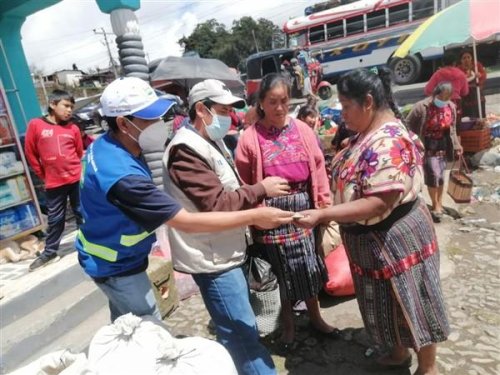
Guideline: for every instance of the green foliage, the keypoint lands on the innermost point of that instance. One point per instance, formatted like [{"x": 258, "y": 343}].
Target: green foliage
[{"x": 211, "y": 39}]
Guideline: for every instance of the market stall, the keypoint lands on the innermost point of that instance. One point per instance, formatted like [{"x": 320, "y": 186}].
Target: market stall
[{"x": 19, "y": 210}]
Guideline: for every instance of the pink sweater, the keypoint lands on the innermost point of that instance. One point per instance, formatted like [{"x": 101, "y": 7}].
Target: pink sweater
[{"x": 249, "y": 161}]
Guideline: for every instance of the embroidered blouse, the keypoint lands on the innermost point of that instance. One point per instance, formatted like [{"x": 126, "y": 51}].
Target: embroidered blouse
[
  {"x": 282, "y": 152},
  {"x": 387, "y": 160}
]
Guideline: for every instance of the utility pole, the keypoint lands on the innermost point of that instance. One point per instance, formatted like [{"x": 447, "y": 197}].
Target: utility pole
[
  {"x": 112, "y": 62},
  {"x": 255, "y": 40}
]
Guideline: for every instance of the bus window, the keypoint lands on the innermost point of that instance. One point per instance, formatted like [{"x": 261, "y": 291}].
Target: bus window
[
  {"x": 375, "y": 20},
  {"x": 297, "y": 39},
  {"x": 317, "y": 34},
  {"x": 269, "y": 66},
  {"x": 335, "y": 30},
  {"x": 398, "y": 14},
  {"x": 423, "y": 9},
  {"x": 355, "y": 25}
]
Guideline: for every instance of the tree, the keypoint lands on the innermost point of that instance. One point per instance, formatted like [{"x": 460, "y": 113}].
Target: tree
[
  {"x": 211, "y": 39},
  {"x": 205, "y": 37}
]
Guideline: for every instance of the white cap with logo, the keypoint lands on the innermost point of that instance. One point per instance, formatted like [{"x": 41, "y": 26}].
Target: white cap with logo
[
  {"x": 216, "y": 91},
  {"x": 132, "y": 96}
]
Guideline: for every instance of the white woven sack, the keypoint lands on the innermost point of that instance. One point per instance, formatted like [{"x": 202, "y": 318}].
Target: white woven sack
[{"x": 266, "y": 307}]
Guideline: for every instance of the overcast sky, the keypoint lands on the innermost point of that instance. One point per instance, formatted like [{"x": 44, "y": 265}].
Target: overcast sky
[{"x": 62, "y": 34}]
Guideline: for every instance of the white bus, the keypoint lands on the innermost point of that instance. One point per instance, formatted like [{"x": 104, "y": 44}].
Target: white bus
[{"x": 363, "y": 34}]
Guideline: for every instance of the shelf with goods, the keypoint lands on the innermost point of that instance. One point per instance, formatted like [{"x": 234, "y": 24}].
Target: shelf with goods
[{"x": 20, "y": 213}]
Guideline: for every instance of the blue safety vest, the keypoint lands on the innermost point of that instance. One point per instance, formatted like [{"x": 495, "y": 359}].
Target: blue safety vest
[{"x": 108, "y": 242}]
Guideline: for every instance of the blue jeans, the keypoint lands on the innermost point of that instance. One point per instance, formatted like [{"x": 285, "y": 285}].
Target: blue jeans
[
  {"x": 130, "y": 294},
  {"x": 226, "y": 299}
]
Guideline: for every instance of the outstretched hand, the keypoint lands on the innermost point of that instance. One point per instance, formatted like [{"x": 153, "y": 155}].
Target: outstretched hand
[
  {"x": 310, "y": 220},
  {"x": 270, "y": 217}
]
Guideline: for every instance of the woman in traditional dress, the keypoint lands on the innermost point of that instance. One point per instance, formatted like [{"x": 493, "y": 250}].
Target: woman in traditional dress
[
  {"x": 434, "y": 120},
  {"x": 469, "y": 103},
  {"x": 277, "y": 145},
  {"x": 386, "y": 228}
]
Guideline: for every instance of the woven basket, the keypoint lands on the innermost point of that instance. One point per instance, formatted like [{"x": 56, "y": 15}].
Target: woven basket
[
  {"x": 475, "y": 140},
  {"x": 460, "y": 184}
]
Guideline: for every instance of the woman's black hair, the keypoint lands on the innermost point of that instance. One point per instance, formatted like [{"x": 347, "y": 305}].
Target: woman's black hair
[
  {"x": 463, "y": 52},
  {"x": 192, "y": 111},
  {"x": 449, "y": 58},
  {"x": 269, "y": 82},
  {"x": 252, "y": 99},
  {"x": 341, "y": 134},
  {"x": 358, "y": 83}
]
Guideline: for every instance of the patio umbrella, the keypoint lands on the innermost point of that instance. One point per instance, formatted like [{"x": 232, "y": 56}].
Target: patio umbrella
[
  {"x": 459, "y": 23},
  {"x": 188, "y": 71}
]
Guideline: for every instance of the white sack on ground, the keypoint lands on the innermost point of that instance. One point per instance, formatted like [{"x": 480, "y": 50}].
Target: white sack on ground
[
  {"x": 142, "y": 345},
  {"x": 61, "y": 362}
]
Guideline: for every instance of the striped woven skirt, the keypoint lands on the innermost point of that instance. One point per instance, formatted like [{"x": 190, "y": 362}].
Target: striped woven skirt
[
  {"x": 292, "y": 253},
  {"x": 396, "y": 278}
]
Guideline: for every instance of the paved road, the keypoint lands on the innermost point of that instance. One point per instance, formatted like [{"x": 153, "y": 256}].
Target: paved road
[{"x": 413, "y": 93}]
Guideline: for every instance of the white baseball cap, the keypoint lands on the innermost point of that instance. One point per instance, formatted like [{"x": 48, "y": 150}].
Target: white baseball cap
[
  {"x": 216, "y": 91},
  {"x": 132, "y": 96}
]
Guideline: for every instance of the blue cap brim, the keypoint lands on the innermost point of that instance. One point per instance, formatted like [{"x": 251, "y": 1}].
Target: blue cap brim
[{"x": 154, "y": 110}]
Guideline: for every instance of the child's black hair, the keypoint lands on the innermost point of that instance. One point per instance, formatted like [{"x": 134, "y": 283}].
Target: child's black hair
[
  {"x": 57, "y": 95},
  {"x": 307, "y": 110}
]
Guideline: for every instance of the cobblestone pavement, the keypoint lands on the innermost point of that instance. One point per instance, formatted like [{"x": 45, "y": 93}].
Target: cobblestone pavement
[
  {"x": 470, "y": 252},
  {"x": 470, "y": 262}
]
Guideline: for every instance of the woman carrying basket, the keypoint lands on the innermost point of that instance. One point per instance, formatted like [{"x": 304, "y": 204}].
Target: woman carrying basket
[{"x": 434, "y": 120}]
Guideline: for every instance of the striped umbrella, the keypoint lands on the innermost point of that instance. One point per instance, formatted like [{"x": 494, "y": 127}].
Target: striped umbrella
[{"x": 459, "y": 23}]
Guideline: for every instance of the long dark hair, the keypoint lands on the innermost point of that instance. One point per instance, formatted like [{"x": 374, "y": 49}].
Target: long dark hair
[
  {"x": 358, "y": 83},
  {"x": 269, "y": 82}
]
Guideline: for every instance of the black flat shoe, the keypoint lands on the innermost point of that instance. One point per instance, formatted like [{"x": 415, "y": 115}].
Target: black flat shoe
[{"x": 436, "y": 217}]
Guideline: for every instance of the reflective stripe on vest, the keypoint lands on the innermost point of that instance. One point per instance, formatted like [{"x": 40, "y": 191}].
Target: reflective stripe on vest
[
  {"x": 131, "y": 240},
  {"x": 99, "y": 251}
]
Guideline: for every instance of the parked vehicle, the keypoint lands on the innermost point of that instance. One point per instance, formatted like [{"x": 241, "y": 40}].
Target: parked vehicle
[{"x": 364, "y": 34}]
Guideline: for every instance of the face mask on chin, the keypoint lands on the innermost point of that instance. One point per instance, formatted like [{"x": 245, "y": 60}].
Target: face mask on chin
[
  {"x": 153, "y": 137},
  {"x": 219, "y": 127}
]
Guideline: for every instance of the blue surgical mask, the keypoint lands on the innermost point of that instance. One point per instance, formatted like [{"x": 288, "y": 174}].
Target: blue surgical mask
[
  {"x": 440, "y": 103},
  {"x": 219, "y": 127}
]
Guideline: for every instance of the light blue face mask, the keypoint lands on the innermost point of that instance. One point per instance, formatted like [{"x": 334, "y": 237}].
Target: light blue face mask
[
  {"x": 219, "y": 127},
  {"x": 440, "y": 103}
]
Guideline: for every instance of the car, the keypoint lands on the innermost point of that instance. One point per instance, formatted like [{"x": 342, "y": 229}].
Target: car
[{"x": 90, "y": 113}]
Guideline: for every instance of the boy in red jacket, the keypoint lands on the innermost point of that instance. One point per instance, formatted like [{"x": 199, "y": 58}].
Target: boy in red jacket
[{"x": 53, "y": 149}]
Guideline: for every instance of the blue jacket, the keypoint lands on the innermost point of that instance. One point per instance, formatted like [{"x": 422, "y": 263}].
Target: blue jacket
[{"x": 109, "y": 243}]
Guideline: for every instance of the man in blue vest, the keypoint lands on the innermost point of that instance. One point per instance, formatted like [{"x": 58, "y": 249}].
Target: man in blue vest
[{"x": 122, "y": 207}]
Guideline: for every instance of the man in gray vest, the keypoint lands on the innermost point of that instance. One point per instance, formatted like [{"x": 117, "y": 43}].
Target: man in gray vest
[{"x": 199, "y": 172}]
